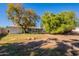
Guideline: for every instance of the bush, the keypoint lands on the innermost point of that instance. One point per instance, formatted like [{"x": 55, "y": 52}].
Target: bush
[{"x": 58, "y": 23}]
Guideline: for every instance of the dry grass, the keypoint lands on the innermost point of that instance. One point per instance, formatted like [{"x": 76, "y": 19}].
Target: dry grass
[
  {"x": 24, "y": 44},
  {"x": 17, "y": 38}
]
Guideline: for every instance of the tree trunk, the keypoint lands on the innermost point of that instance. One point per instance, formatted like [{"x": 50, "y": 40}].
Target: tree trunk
[{"x": 23, "y": 30}]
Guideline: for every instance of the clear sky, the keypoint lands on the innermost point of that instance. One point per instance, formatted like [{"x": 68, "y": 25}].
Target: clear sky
[{"x": 39, "y": 8}]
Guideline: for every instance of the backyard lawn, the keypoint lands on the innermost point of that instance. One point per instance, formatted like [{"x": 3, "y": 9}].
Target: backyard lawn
[{"x": 39, "y": 44}]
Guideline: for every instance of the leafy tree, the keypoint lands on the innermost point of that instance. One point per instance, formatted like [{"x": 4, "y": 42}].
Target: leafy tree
[
  {"x": 77, "y": 21},
  {"x": 58, "y": 23},
  {"x": 20, "y": 16}
]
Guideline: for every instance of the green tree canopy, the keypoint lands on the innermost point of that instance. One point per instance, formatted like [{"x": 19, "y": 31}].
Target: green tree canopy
[{"x": 58, "y": 23}]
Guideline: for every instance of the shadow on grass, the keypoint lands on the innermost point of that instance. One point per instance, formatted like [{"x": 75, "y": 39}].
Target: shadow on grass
[
  {"x": 2, "y": 35},
  {"x": 20, "y": 49},
  {"x": 33, "y": 49}
]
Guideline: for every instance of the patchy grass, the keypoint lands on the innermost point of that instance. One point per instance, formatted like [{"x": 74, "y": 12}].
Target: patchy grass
[
  {"x": 33, "y": 44},
  {"x": 17, "y": 38}
]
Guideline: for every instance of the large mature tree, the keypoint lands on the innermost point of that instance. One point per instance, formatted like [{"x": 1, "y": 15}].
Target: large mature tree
[
  {"x": 20, "y": 16},
  {"x": 59, "y": 23}
]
